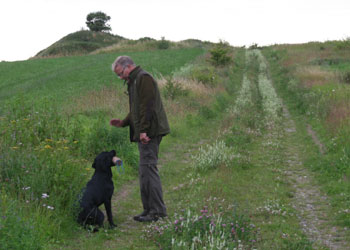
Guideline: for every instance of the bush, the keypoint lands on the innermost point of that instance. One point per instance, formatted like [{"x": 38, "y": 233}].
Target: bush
[
  {"x": 173, "y": 90},
  {"x": 163, "y": 44},
  {"x": 219, "y": 55},
  {"x": 205, "y": 75}
]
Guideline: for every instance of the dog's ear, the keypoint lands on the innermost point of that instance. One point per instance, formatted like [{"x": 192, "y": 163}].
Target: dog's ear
[{"x": 94, "y": 165}]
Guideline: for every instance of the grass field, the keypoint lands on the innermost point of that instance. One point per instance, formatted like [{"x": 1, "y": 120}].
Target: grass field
[{"x": 239, "y": 171}]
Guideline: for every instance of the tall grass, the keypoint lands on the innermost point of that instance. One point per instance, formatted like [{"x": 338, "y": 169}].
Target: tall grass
[{"x": 54, "y": 119}]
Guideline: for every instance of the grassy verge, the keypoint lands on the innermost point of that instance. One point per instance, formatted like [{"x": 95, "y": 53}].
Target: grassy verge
[{"x": 320, "y": 105}]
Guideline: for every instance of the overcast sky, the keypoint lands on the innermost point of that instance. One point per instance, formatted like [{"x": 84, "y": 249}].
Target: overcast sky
[{"x": 28, "y": 26}]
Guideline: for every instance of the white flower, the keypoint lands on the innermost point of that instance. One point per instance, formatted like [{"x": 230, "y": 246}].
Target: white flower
[{"x": 45, "y": 195}]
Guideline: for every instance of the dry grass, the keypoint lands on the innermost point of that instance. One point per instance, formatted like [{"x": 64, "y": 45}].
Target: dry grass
[
  {"x": 315, "y": 75},
  {"x": 137, "y": 46},
  {"x": 107, "y": 99},
  {"x": 201, "y": 93},
  {"x": 339, "y": 115}
]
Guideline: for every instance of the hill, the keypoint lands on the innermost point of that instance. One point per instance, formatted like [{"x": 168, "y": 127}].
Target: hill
[
  {"x": 79, "y": 43},
  {"x": 258, "y": 156}
]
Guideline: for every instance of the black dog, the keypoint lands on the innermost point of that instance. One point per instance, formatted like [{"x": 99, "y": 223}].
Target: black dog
[{"x": 97, "y": 191}]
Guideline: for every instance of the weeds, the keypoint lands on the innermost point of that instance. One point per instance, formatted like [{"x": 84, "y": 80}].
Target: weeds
[
  {"x": 213, "y": 156},
  {"x": 220, "y": 229}
]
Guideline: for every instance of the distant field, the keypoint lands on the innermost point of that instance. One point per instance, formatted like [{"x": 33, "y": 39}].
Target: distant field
[{"x": 59, "y": 78}]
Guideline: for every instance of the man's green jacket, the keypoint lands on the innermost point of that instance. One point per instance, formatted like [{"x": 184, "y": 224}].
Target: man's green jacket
[{"x": 146, "y": 114}]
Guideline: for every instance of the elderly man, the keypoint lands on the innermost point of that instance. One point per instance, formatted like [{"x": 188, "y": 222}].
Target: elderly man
[{"x": 148, "y": 123}]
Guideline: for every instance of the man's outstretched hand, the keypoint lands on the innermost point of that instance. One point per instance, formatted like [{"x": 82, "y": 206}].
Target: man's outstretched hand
[{"x": 116, "y": 123}]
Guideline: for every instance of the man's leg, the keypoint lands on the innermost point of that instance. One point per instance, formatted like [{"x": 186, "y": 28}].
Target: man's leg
[{"x": 150, "y": 184}]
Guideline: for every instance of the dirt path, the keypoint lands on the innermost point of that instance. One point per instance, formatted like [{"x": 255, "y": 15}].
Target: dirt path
[{"x": 312, "y": 205}]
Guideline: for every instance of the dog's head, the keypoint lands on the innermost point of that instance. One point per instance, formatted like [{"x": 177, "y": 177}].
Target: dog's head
[{"x": 104, "y": 161}]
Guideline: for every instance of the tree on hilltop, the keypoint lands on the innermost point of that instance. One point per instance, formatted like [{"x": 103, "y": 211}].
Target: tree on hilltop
[{"x": 97, "y": 21}]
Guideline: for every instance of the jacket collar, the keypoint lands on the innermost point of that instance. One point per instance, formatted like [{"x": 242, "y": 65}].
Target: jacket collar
[{"x": 133, "y": 74}]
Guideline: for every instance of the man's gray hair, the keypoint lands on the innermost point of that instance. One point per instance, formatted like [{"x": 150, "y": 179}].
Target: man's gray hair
[{"x": 123, "y": 61}]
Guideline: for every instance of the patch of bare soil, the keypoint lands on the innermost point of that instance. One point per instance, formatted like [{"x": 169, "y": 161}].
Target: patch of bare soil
[{"x": 312, "y": 205}]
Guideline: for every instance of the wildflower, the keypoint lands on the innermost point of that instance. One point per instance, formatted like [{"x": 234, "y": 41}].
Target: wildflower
[
  {"x": 44, "y": 196},
  {"x": 48, "y": 147},
  {"x": 75, "y": 142},
  {"x": 66, "y": 148},
  {"x": 26, "y": 188},
  {"x": 176, "y": 221},
  {"x": 48, "y": 140},
  {"x": 13, "y": 121},
  {"x": 25, "y": 119},
  {"x": 49, "y": 207},
  {"x": 14, "y": 148}
]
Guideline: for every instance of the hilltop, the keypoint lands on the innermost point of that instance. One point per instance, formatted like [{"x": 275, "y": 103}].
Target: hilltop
[
  {"x": 89, "y": 42},
  {"x": 80, "y": 43}
]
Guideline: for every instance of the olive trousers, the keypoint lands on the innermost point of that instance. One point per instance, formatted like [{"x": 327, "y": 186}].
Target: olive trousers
[{"x": 150, "y": 184}]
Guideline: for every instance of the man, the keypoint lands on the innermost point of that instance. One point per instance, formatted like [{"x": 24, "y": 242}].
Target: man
[{"x": 148, "y": 123}]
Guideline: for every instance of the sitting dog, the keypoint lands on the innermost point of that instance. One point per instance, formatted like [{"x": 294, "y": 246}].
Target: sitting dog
[{"x": 98, "y": 191}]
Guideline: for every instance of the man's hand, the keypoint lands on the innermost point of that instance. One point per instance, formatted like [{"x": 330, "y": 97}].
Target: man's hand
[
  {"x": 116, "y": 123},
  {"x": 144, "y": 138}
]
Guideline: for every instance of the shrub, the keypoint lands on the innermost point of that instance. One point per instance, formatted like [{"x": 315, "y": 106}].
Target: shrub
[
  {"x": 219, "y": 55},
  {"x": 173, "y": 89},
  {"x": 206, "y": 75},
  {"x": 163, "y": 44}
]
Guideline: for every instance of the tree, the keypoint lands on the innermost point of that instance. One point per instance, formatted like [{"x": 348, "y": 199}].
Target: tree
[{"x": 97, "y": 21}]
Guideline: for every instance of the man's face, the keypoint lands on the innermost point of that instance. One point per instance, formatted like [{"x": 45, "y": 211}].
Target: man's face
[{"x": 120, "y": 71}]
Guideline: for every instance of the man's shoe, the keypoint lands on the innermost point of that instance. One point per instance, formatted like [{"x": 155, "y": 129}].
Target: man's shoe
[
  {"x": 148, "y": 218},
  {"x": 137, "y": 217}
]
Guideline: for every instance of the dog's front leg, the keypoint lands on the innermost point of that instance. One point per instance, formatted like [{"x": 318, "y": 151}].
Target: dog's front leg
[{"x": 108, "y": 206}]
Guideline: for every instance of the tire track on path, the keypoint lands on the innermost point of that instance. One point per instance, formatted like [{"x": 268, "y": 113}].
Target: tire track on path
[{"x": 312, "y": 205}]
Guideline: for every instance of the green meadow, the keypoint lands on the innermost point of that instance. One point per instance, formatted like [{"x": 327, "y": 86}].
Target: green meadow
[{"x": 240, "y": 139}]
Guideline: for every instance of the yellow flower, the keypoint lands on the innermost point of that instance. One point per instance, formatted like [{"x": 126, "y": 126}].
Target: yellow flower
[
  {"x": 48, "y": 147},
  {"x": 65, "y": 148},
  {"x": 25, "y": 119},
  {"x": 15, "y": 148},
  {"x": 48, "y": 140},
  {"x": 13, "y": 121},
  {"x": 75, "y": 142}
]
